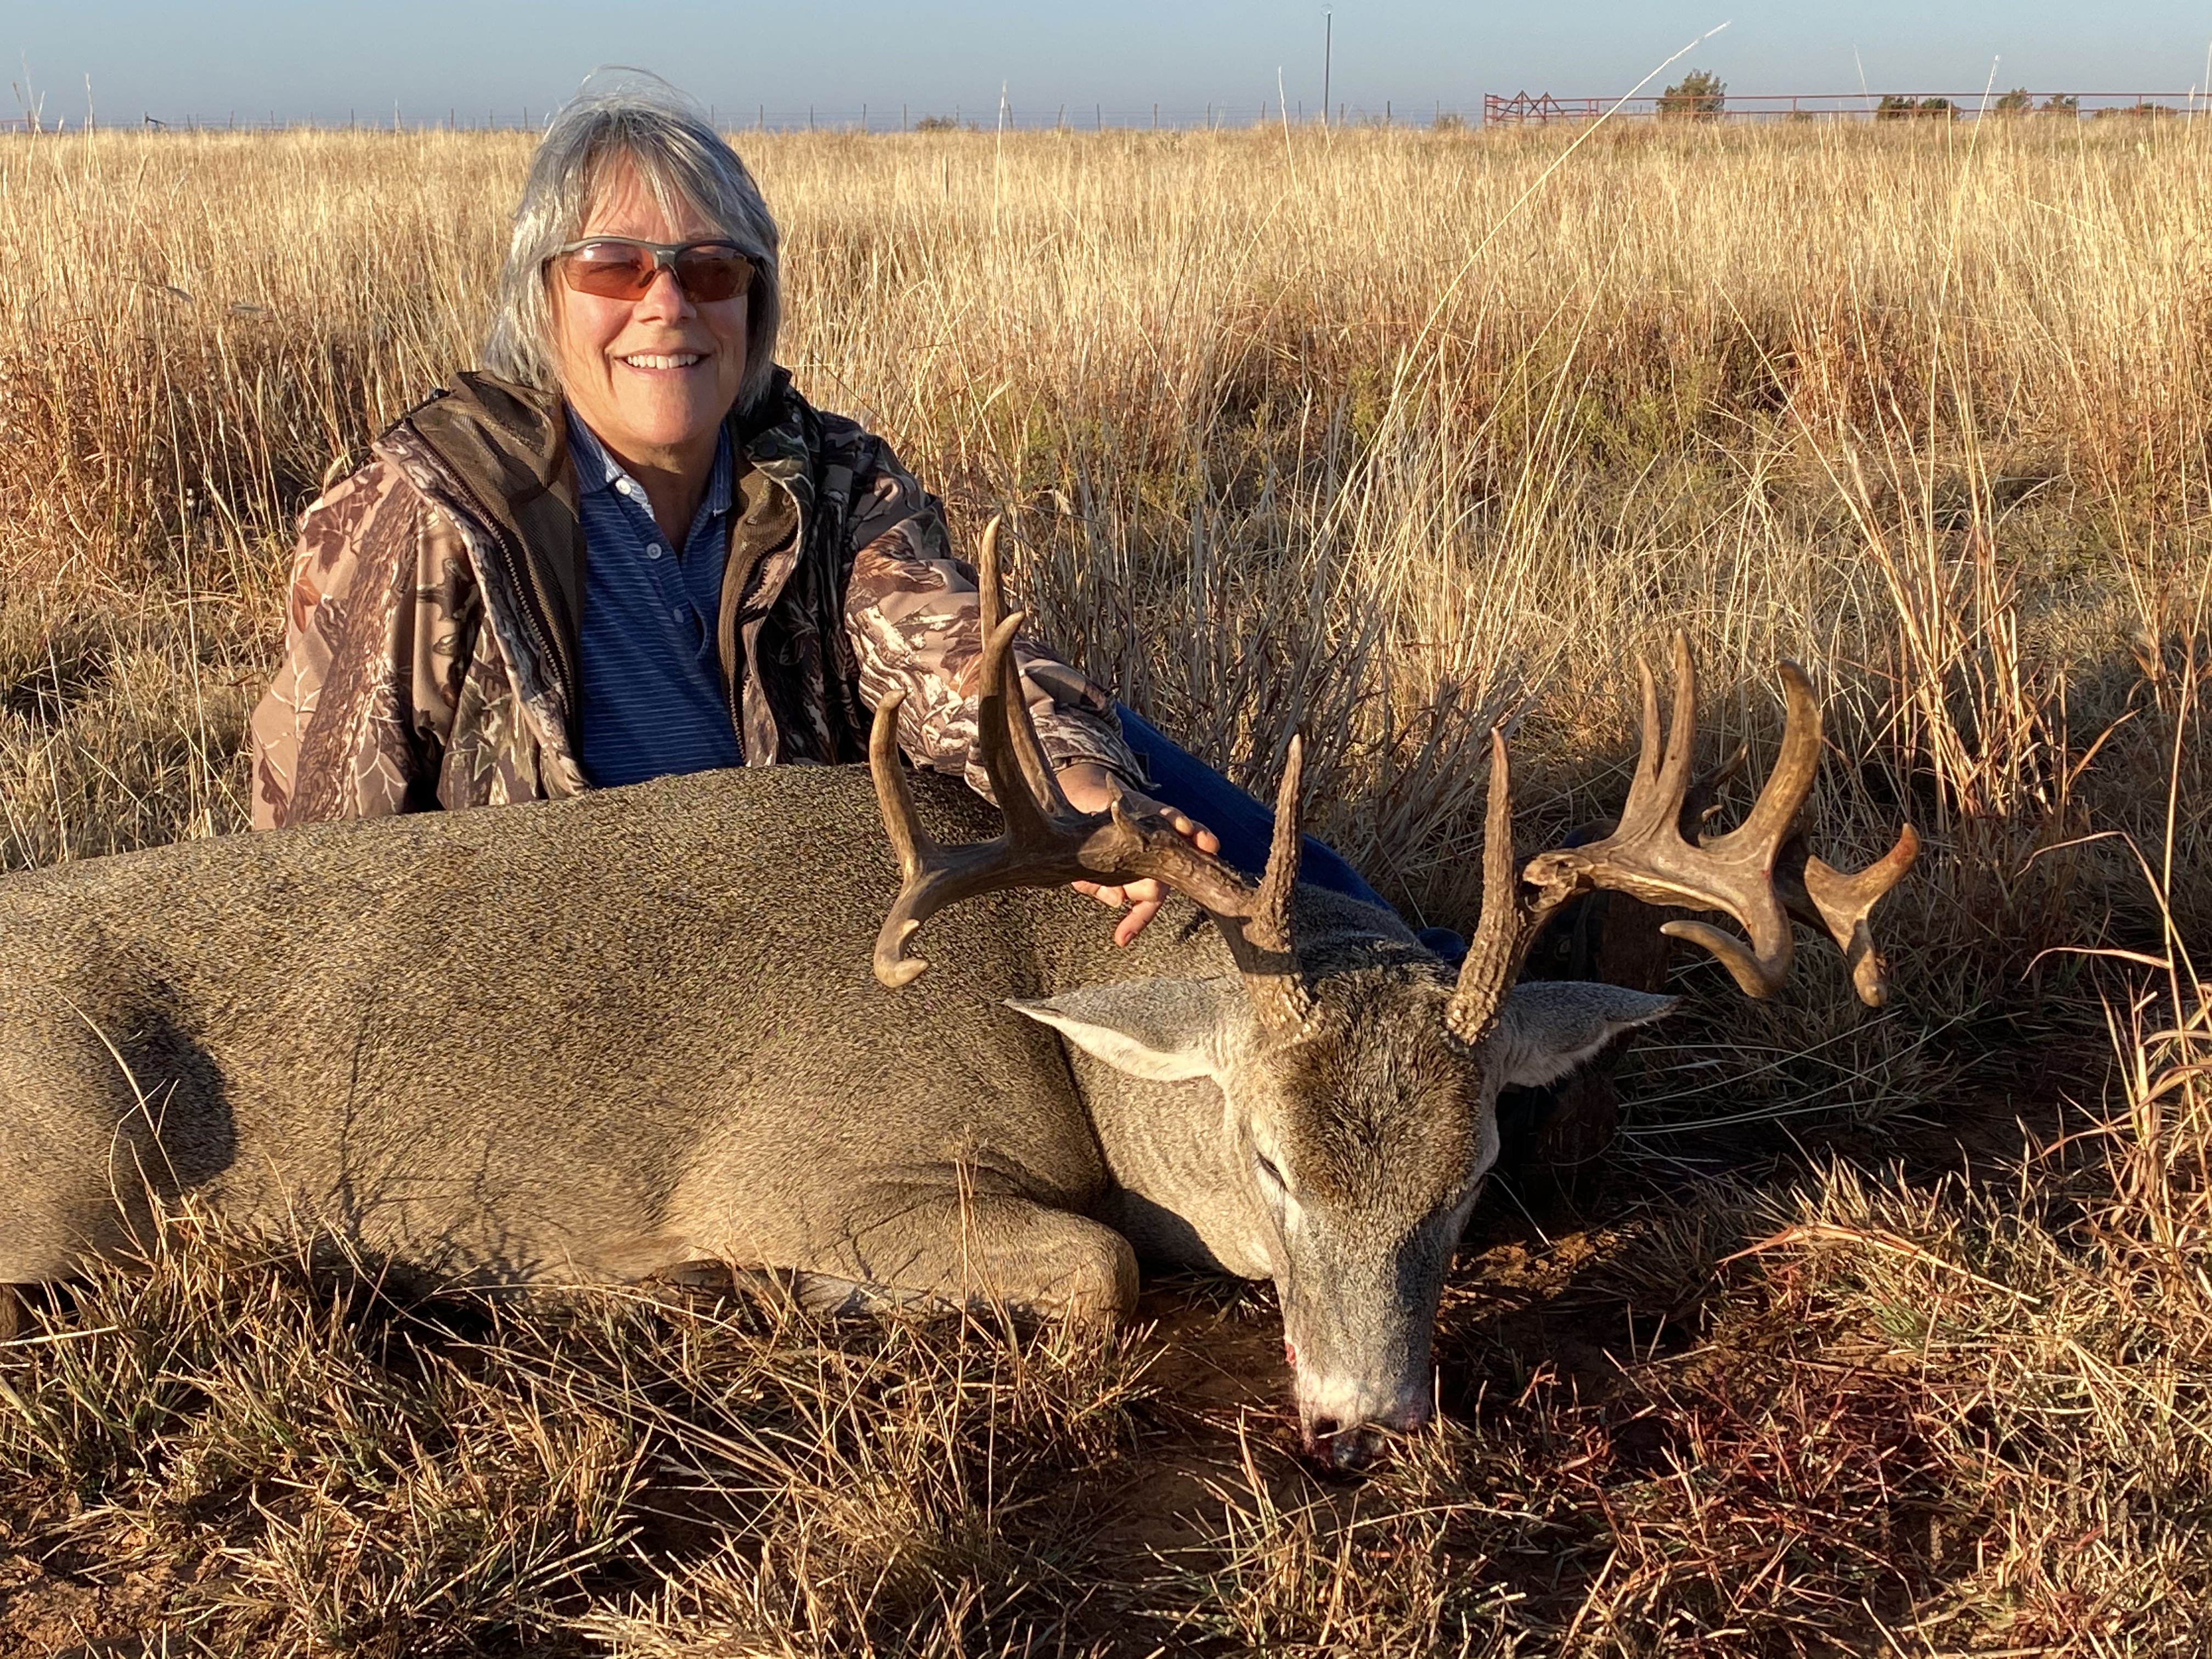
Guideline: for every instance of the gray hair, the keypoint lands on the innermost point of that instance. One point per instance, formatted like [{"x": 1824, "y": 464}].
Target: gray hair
[{"x": 684, "y": 161}]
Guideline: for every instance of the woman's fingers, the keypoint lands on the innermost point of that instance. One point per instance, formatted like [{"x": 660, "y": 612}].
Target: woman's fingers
[
  {"x": 1140, "y": 917},
  {"x": 1091, "y": 788},
  {"x": 1191, "y": 830},
  {"x": 1142, "y": 898}
]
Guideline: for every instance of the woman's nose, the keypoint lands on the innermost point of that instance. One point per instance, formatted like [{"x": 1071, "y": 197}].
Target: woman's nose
[{"x": 664, "y": 297}]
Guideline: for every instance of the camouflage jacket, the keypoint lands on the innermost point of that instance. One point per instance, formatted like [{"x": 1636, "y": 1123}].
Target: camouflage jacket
[{"x": 430, "y": 638}]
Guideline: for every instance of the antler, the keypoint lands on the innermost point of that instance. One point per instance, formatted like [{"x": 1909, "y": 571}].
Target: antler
[
  {"x": 1048, "y": 843},
  {"x": 1824, "y": 897},
  {"x": 1759, "y": 873}
]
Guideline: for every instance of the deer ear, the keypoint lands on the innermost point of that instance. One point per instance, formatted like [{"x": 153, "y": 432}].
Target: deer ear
[
  {"x": 1550, "y": 1026},
  {"x": 1166, "y": 1029}
]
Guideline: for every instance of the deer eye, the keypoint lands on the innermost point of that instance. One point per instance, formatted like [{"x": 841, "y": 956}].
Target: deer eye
[{"x": 1268, "y": 1172}]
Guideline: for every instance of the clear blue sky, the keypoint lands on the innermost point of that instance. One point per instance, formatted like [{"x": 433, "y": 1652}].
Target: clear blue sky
[{"x": 318, "y": 61}]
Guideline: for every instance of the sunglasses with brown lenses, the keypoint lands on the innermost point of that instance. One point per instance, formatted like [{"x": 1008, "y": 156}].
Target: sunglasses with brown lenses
[{"x": 623, "y": 268}]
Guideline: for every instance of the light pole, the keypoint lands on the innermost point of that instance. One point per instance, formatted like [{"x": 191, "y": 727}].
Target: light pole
[{"x": 1328, "y": 51}]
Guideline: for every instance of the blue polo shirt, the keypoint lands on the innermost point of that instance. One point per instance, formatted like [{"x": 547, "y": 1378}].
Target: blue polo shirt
[{"x": 650, "y": 687}]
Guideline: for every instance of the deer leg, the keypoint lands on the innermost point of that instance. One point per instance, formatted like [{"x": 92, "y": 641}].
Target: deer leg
[{"x": 927, "y": 1245}]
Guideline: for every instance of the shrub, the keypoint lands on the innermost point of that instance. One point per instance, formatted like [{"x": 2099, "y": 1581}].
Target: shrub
[
  {"x": 2019, "y": 101},
  {"x": 1700, "y": 95},
  {"x": 1895, "y": 107},
  {"x": 937, "y": 123}
]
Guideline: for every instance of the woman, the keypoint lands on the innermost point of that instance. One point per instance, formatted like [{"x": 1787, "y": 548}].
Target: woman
[{"x": 631, "y": 547}]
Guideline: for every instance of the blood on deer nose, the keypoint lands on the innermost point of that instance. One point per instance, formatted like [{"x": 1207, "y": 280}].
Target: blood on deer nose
[
  {"x": 1330, "y": 1442},
  {"x": 1357, "y": 1449},
  {"x": 1290, "y": 1352}
]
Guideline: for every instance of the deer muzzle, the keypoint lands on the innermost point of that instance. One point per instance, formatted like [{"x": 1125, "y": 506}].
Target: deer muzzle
[
  {"x": 1348, "y": 1423},
  {"x": 1361, "y": 1356}
]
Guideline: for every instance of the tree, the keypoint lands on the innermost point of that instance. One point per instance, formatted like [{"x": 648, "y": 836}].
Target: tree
[
  {"x": 2019, "y": 101},
  {"x": 1894, "y": 107},
  {"x": 1700, "y": 95}
]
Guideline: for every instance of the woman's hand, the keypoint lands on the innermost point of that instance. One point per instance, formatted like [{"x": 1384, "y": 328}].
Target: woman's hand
[{"x": 1090, "y": 788}]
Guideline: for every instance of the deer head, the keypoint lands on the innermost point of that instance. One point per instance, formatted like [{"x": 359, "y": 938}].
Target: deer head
[{"x": 1359, "y": 1080}]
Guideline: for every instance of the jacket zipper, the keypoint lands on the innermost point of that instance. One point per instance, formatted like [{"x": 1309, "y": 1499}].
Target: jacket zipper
[{"x": 536, "y": 614}]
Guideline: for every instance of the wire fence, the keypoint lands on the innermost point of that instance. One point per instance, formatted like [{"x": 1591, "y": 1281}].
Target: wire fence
[
  {"x": 1494, "y": 110},
  {"x": 763, "y": 118}
]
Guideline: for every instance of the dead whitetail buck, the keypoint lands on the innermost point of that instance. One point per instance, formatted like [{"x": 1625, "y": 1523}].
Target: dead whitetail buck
[{"x": 596, "y": 1039}]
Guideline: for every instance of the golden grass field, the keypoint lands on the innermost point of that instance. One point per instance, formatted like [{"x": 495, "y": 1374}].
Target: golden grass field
[{"x": 1878, "y": 1332}]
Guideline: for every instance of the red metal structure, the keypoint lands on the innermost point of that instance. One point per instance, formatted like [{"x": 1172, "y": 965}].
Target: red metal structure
[{"x": 1541, "y": 109}]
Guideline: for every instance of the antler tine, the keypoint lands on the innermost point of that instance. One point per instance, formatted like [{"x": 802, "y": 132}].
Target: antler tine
[
  {"x": 920, "y": 856},
  {"x": 1648, "y": 750},
  {"x": 1000, "y": 714},
  {"x": 913, "y": 843},
  {"x": 1662, "y": 769},
  {"x": 1682, "y": 729},
  {"x": 1840, "y": 900},
  {"x": 1018, "y": 728},
  {"x": 990, "y": 591},
  {"x": 1266, "y": 957},
  {"x": 1775, "y": 811},
  {"x": 1502, "y": 934},
  {"x": 1270, "y": 926}
]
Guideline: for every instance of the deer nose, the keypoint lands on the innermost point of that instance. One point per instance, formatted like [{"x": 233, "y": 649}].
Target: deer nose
[{"x": 1347, "y": 1449}]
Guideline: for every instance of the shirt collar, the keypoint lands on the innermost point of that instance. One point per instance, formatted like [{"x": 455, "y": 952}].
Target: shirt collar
[
  {"x": 719, "y": 482},
  {"x": 597, "y": 469}
]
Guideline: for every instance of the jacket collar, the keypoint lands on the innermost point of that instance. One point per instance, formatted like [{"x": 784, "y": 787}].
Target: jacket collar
[{"x": 504, "y": 452}]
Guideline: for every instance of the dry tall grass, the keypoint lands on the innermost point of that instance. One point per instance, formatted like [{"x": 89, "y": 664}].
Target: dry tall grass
[{"x": 1390, "y": 433}]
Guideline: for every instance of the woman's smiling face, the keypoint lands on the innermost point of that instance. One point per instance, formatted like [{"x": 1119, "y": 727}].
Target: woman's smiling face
[{"x": 655, "y": 376}]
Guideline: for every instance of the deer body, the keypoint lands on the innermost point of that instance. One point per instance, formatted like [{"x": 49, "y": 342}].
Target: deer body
[
  {"x": 584, "y": 1041},
  {"x": 576, "y": 1041}
]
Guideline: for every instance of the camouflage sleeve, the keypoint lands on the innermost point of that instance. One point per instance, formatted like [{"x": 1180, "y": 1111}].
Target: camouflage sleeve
[
  {"x": 911, "y": 614},
  {"x": 376, "y": 631}
]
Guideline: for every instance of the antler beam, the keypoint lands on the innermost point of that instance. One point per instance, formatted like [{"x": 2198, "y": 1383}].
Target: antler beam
[
  {"x": 1048, "y": 843},
  {"x": 1759, "y": 873}
]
